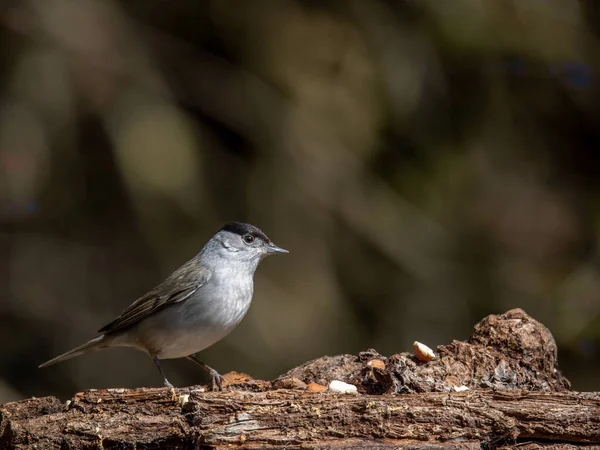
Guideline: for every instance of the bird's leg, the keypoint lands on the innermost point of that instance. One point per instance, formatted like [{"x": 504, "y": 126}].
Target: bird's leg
[
  {"x": 167, "y": 384},
  {"x": 215, "y": 377}
]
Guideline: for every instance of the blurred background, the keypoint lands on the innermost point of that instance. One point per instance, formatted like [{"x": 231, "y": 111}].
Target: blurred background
[{"x": 426, "y": 163}]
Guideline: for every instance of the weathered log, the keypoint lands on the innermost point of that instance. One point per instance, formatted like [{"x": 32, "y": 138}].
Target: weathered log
[
  {"x": 433, "y": 404},
  {"x": 153, "y": 418},
  {"x": 510, "y": 350}
]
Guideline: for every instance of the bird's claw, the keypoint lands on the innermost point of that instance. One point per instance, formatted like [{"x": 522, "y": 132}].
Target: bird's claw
[
  {"x": 171, "y": 389},
  {"x": 216, "y": 380}
]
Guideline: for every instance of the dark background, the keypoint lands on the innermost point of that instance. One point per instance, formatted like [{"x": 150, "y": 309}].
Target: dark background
[{"x": 426, "y": 162}]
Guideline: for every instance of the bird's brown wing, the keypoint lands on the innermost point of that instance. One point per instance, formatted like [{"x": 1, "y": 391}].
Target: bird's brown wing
[{"x": 179, "y": 286}]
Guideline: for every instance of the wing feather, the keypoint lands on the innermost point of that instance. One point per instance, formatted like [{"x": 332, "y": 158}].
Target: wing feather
[{"x": 178, "y": 287}]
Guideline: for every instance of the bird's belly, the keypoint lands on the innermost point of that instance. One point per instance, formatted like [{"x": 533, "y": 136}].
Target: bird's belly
[
  {"x": 182, "y": 345},
  {"x": 191, "y": 326}
]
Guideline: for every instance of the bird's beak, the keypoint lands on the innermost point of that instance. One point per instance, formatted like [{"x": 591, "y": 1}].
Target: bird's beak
[{"x": 272, "y": 248}]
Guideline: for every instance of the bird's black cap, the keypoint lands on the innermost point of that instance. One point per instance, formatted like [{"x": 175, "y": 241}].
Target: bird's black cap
[{"x": 245, "y": 228}]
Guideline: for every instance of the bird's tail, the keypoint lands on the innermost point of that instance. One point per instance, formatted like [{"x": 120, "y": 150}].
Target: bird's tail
[{"x": 94, "y": 344}]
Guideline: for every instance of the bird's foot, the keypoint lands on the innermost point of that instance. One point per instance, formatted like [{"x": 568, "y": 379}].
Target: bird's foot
[
  {"x": 215, "y": 377},
  {"x": 216, "y": 380},
  {"x": 171, "y": 389}
]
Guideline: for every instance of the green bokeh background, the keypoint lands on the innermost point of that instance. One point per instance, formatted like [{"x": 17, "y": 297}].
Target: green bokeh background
[{"x": 426, "y": 162}]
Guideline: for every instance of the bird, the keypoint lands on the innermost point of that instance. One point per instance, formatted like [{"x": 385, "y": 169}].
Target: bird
[{"x": 193, "y": 308}]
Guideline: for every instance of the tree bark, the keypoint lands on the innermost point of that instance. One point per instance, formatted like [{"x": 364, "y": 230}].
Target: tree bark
[
  {"x": 154, "y": 418},
  {"x": 401, "y": 401}
]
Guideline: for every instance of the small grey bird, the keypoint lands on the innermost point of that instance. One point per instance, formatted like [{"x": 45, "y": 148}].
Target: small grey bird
[{"x": 196, "y": 306}]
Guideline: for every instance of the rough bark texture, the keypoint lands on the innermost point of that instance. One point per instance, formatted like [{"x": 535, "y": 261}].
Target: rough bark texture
[
  {"x": 517, "y": 396},
  {"x": 510, "y": 350},
  {"x": 151, "y": 418}
]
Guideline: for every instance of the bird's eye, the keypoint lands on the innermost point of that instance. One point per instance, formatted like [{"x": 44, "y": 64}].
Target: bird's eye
[{"x": 248, "y": 238}]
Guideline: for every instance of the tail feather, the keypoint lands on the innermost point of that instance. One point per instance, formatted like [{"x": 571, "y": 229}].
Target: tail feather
[{"x": 94, "y": 344}]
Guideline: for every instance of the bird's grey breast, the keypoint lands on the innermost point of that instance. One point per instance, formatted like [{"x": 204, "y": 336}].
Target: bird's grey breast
[{"x": 223, "y": 301}]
